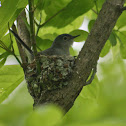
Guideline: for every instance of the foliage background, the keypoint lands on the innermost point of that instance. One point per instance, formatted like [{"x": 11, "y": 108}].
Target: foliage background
[{"x": 99, "y": 104}]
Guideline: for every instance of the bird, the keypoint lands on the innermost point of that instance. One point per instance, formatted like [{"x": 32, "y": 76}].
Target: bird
[{"x": 60, "y": 45}]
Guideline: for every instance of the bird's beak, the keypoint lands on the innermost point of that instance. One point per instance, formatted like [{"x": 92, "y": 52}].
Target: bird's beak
[{"x": 75, "y": 36}]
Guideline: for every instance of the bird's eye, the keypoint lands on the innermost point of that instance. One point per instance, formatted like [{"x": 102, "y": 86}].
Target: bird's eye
[{"x": 65, "y": 38}]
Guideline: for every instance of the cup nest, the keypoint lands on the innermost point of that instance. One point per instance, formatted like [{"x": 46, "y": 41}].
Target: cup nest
[{"x": 55, "y": 73}]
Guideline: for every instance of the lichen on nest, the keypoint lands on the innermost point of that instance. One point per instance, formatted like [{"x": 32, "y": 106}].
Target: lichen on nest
[{"x": 55, "y": 72}]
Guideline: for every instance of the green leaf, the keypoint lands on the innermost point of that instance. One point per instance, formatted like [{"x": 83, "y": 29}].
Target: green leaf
[
  {"x": 52, "y": 7},
  {"x": 103, "y": 100},
  {"x": 57, "y": 24},
  {"x": 3, "y": 58},
  {"x": 21, "y": 97},
  {"x": 122, "y": 39},
  {"x": 123, "y": 51},
  {"x": 100, "y": 3},
  {"x": 45, "y": 31},
  {"x": 83, "y": 35},
  {"x": 2, "y": 62},
  {"x": 105, "y": 49},
  {"x": 73, "y": 10},
  {"x": 121, "y": 22},
  {"x": 7, "y": 12},
  {"x": 40, "y": 116},
  {"x": 7, "y": 42},
  {"x": 10, "y": 77},
  {"x": 13, "y": 115},
  {"x": 91, "y": 91},
  {"x": 90, "y": 25},
  {"x": 73, "y": 52},
  {"x": 43, "y": 43},
  {"x": 4, "y": 55},
  {"x": 22, "y": 4},
  {"x": 112, "y": 39}
]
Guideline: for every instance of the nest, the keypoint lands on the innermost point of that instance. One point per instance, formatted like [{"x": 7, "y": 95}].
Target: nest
[{"x": 55, "y": 73}]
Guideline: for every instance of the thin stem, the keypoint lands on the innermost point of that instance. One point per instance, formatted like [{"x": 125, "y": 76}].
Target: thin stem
[
  {"x": 119, "y": 39},
  {"x": 21, "y": 51},
  {"x": 92, "y": 76},
  {"x": 94, "y": 11},
  {"x": 17, "y": 59},
  {"x": 32, "y": 32},
  {"x": 2, "y": 47},
  {"x": 27, "y": 9},
  {"x": 96, "y": 6},
  {"x": 38, "y": 48},
  {"x": 32, "y": 28},
  {"x": 11, "y": 52},
  {"x": 39, "y": 23},
  {"x": 20, "y": 41}
]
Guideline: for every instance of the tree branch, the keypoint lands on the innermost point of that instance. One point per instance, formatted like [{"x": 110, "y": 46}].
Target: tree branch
[
  {"x": 123, "y": 8},
  {"x": 25, "y": 37},
  {"x": 21, "y": 51},
  {"x": 87, "y": 58}
]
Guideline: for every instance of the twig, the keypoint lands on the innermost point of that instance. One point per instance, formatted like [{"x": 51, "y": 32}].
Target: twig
[
  {"x": 2, "y": 47},
  {"x": 21, "y": 51},
  {"x": 39, "y": 23},
  {"x": 92, "y": 76},
  {"x": 27, "y": 9},
  {"x": 38, "y": 48},
  {"x": 96, "y": 6},
  {"x": 11, "y": 52},
  {"x": 94, "y": 11},
  {"x": 123, "y": 8},
  {"x": 17, "y": 59},
  {"x": 20, "y": 41}
]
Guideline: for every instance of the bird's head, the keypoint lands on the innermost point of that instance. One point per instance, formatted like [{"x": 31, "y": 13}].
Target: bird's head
[{"x": 64, "y": 40}]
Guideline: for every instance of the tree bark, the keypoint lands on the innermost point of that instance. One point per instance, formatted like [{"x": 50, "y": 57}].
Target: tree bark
[
  {"x": 25, "y": 36},
  {"x": 87, "y": 58}
]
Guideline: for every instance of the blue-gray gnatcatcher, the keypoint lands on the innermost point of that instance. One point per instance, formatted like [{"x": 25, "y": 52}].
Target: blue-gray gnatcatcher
[{"x": 60, "y": 45}]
